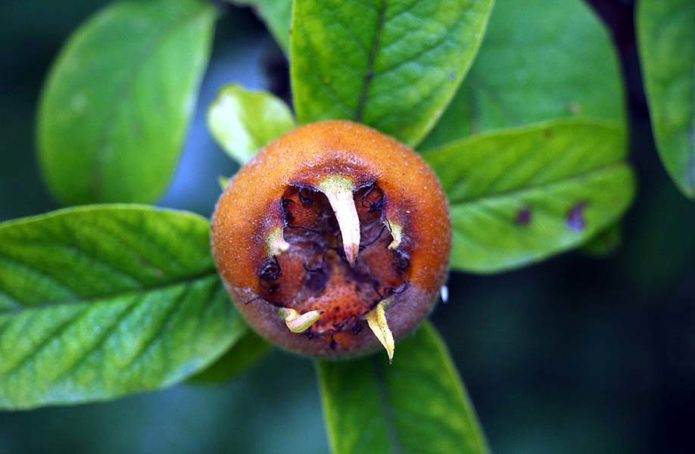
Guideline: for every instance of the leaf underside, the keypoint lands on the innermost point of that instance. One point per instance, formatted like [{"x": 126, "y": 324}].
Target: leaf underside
[{"x": 244, "y": 121}]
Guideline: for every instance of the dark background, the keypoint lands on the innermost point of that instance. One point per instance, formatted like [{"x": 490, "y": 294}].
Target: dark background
[{"x": 573, "y": 355}]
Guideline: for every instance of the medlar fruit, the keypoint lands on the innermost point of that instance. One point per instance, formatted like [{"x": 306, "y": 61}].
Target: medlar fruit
[{"x": 335, "y": 238}]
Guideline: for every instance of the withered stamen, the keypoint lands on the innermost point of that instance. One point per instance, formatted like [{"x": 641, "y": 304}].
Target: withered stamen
[{"x": 376, "y": 319}]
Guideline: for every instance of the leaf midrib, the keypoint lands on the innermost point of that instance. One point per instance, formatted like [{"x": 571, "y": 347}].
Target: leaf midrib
[
  {"x": 389, "y": 417},
  {"x": 189, "y": 280},
  {"x": 366, "y": 82}
]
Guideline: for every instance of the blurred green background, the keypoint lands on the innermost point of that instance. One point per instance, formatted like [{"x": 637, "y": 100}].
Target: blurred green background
[{"x": 573, "y": 355}]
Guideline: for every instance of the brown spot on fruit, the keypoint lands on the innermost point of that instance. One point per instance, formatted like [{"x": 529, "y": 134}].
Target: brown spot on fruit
[{"x": 322, "y": 226}]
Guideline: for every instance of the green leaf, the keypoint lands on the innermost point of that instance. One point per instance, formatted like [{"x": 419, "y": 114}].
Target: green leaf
[
  {"x": 522, "y": 195},
  {"x": 244, "y": 121},
  {"x": 418, "y": 404},
  {"x": 540, "y": 60},
  {"x": 666, "y": 30},
  {"x": 277, "y": 14},
  {"x": 605, "y": 242},
  {"x": 115, "y": 109},
  {"x": 246, "y": 352},
  {"x": 393, "y": 65},
  {"x": 99, "y": 302}
]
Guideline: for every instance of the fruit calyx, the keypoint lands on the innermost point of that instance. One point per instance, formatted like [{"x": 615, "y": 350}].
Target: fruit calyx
[{"x": 338, "y": 263}]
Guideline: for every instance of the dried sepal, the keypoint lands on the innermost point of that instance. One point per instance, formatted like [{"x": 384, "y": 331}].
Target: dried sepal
[
  {"x": 396, "y": 233},
  {"x": 376, "y": 319},
  {"x": 296, "y": 322}
]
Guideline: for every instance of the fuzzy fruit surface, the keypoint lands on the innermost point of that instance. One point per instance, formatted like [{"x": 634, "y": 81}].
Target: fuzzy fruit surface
[{"x": 281, "y": 245}]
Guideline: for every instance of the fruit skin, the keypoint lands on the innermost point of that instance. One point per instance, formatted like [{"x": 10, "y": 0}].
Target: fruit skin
[{"x": 250, "y": 209}]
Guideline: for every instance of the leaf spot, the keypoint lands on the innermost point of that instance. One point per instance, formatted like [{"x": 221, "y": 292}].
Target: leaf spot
[
  {"x": 575, "y": 217},
  {"x": 524, "y": 217}
]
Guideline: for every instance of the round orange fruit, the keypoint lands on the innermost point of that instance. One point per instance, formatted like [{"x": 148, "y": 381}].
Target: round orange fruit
[{"x": 333, "y": 240}]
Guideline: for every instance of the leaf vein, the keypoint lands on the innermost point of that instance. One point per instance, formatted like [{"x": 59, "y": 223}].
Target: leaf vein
[
  {"x": 32, "y": 269},
  {"x": 443, "y": 40},
  {"x": 549, "y": 185},
  {"x": 147, "y": 345},
  {"x": 99, "y": 342},
  {"x": 389, "y": 417},
  {"x": 371, "y": 61},
  {"x": 206, "y": 274},
  {"x": 57, "y": 331}
]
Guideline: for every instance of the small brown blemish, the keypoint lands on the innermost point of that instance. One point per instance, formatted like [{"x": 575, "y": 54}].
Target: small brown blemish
[
  {"x": 575, "y": 217},
  {"x": 524, "y": 217}
]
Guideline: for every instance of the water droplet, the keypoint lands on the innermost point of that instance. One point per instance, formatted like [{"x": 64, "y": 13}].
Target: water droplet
[{"x": 444, "y": 293}]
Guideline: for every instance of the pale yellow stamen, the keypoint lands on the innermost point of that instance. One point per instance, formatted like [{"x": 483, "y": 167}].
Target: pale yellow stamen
[
  {"x": 296, "y": 322},
  {"x": 276, "y": 244},
  {"x": 338, "y": 191},
  {"x": 396, "y": 234}
]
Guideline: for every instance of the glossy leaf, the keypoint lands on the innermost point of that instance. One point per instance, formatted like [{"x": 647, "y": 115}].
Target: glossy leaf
[
  {"x": 247, "y": 351},
  {"x": 393, "y": 65},
  {"x": 666, "y": 30},
  {"x": 418, "y": 404},
  {"x": 99, "y": 302},
  {"x": 277, "y": 14},
  {"x": 244, "y": 121},
  {"x": 115, "y": 109},
  {"x": 520, "y": 196},
  {"x": 540, "y": 60}
]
